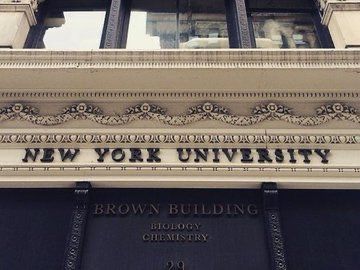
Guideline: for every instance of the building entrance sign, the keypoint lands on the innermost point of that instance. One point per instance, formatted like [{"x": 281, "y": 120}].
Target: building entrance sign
[{"x": 175, "y": 229}]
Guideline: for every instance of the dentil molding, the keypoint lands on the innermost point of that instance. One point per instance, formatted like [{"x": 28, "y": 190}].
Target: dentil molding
[{"x": 67, "y": 95}]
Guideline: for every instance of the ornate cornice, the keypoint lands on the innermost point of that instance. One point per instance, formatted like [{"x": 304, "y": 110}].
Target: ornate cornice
[
  {"x": 205, "y": 111},
  {"x": 208, "y": 59}
]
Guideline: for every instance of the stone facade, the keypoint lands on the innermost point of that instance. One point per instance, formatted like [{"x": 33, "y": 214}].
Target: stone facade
[{"x": 170, "y": 99}]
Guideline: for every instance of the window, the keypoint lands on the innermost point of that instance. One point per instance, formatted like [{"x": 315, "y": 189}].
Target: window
[
  {"x": 184, "y": 24},
  {"x": 280, "y": 30},
  {"x": 286, "y": 24},
  {"x": 178, "y": 24},
  {"x": 65, "y": 24},
  {"x": 74, "y": 30}
]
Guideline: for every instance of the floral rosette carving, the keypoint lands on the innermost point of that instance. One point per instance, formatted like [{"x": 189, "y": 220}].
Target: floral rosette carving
[
  {"x": 82, "y": 109},
  {"x": 145, "y": 111},
  {"x": 272, "y": 109},
  {"x": 207, "y": 108},
  {"x": 339, "y": 111},
  {"x": 16, "y": 110}
]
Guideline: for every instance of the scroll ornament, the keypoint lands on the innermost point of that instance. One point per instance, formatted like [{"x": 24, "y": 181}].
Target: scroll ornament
[{"x": 205, "y": 111}]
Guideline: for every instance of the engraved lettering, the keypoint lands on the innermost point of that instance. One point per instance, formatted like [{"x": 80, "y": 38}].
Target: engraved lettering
[
  {"x": 31, "y": 154},
  {"x": 135, "y": 155},
  {"x": 154, "y": 209},
  {"x": 323, "y": 154},
  {"x": 101, "y": 153},
  {"x": 173, "y": 209},
  {"x": 110, "y": 209},
  {"x": 48, "y": 155},
  {"x": 69, "y": 154},
  {"x": 98, "y": 209},
  {"x": 279, "y": 155},
  {"x": 263, "y": 155},
  {"x": 124, "y": 209},
  {"x": 118, "y": 155},
  {"x": 201, "y": 154},
  {"x": 229, "y": 156},
  {"x": 181, "y": 153},
  {"x": 252, "y": 209},
  {"x": 246, "y": 155},
  {"x": 292, "y": 155},
  {"x": 153, "y": 155},
  {"x": 306, "y": 153},
  {"x": 216, "y": 155}
]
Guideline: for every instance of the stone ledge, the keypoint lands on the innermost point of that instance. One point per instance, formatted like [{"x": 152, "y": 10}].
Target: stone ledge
[
  {"x": 332, "y": 6},
  {"x": 170, "y": 71},
  {"x": 230, "y": 58},
  {"x": 26, "y": 6}
]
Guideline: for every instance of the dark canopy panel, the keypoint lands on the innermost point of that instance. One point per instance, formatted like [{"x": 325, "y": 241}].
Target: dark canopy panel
[
  {"x": 289, "y": 5},
  {"x": 33, "y": 228},
  {"x": 321, "y": 229},
  {"x": 73, "y": 5},
  {"x": 130, "y": 227}
]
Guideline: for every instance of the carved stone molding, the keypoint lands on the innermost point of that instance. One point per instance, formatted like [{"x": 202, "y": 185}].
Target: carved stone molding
[
  {"x": 185, "y": 169},
  {"x": 232, "y": 58},
  {"x": 65, "y": 94},
  {"x": 75, "y": 241},
  {"x": 329, "y": 6},
  {"x": 26, "y": 6},
  {"x": 141, "y": 138},
  {"x": 273, "y": 229},
  {"x": 205, "y": 111}
]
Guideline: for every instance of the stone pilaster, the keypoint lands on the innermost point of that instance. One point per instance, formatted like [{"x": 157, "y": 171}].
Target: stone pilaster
[
  {"x": 343, "y": 21},
  {"x": 16, "y": 18}
]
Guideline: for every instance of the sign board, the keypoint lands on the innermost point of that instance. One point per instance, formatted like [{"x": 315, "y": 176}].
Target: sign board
[{"x": 175, "y": 229}]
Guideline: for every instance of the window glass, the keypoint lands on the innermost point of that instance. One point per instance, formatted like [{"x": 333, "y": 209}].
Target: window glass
[
  {"x": 284, "y": 31},
  {"x": 203, "y": 25},
  {"x": 74, "y": 30},
  {"x": 185, "y": 24},
  {"x": 152, "y": 30}
]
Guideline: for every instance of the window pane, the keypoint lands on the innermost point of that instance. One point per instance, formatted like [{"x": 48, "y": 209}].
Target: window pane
[
  {"x": 74, "y": 30},
  {"x": 151, "y": 30},
  {"x": 185, "y": 24},
  {"x": 284, "y": 31},
  {"x": 203, "y": 24}
]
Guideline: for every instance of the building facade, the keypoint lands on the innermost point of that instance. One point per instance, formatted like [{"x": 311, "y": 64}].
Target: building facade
[{"x": 179, "y": 134}]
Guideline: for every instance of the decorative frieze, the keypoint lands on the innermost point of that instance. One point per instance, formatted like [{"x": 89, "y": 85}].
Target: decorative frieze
[{"x": 205, "y": 111}]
